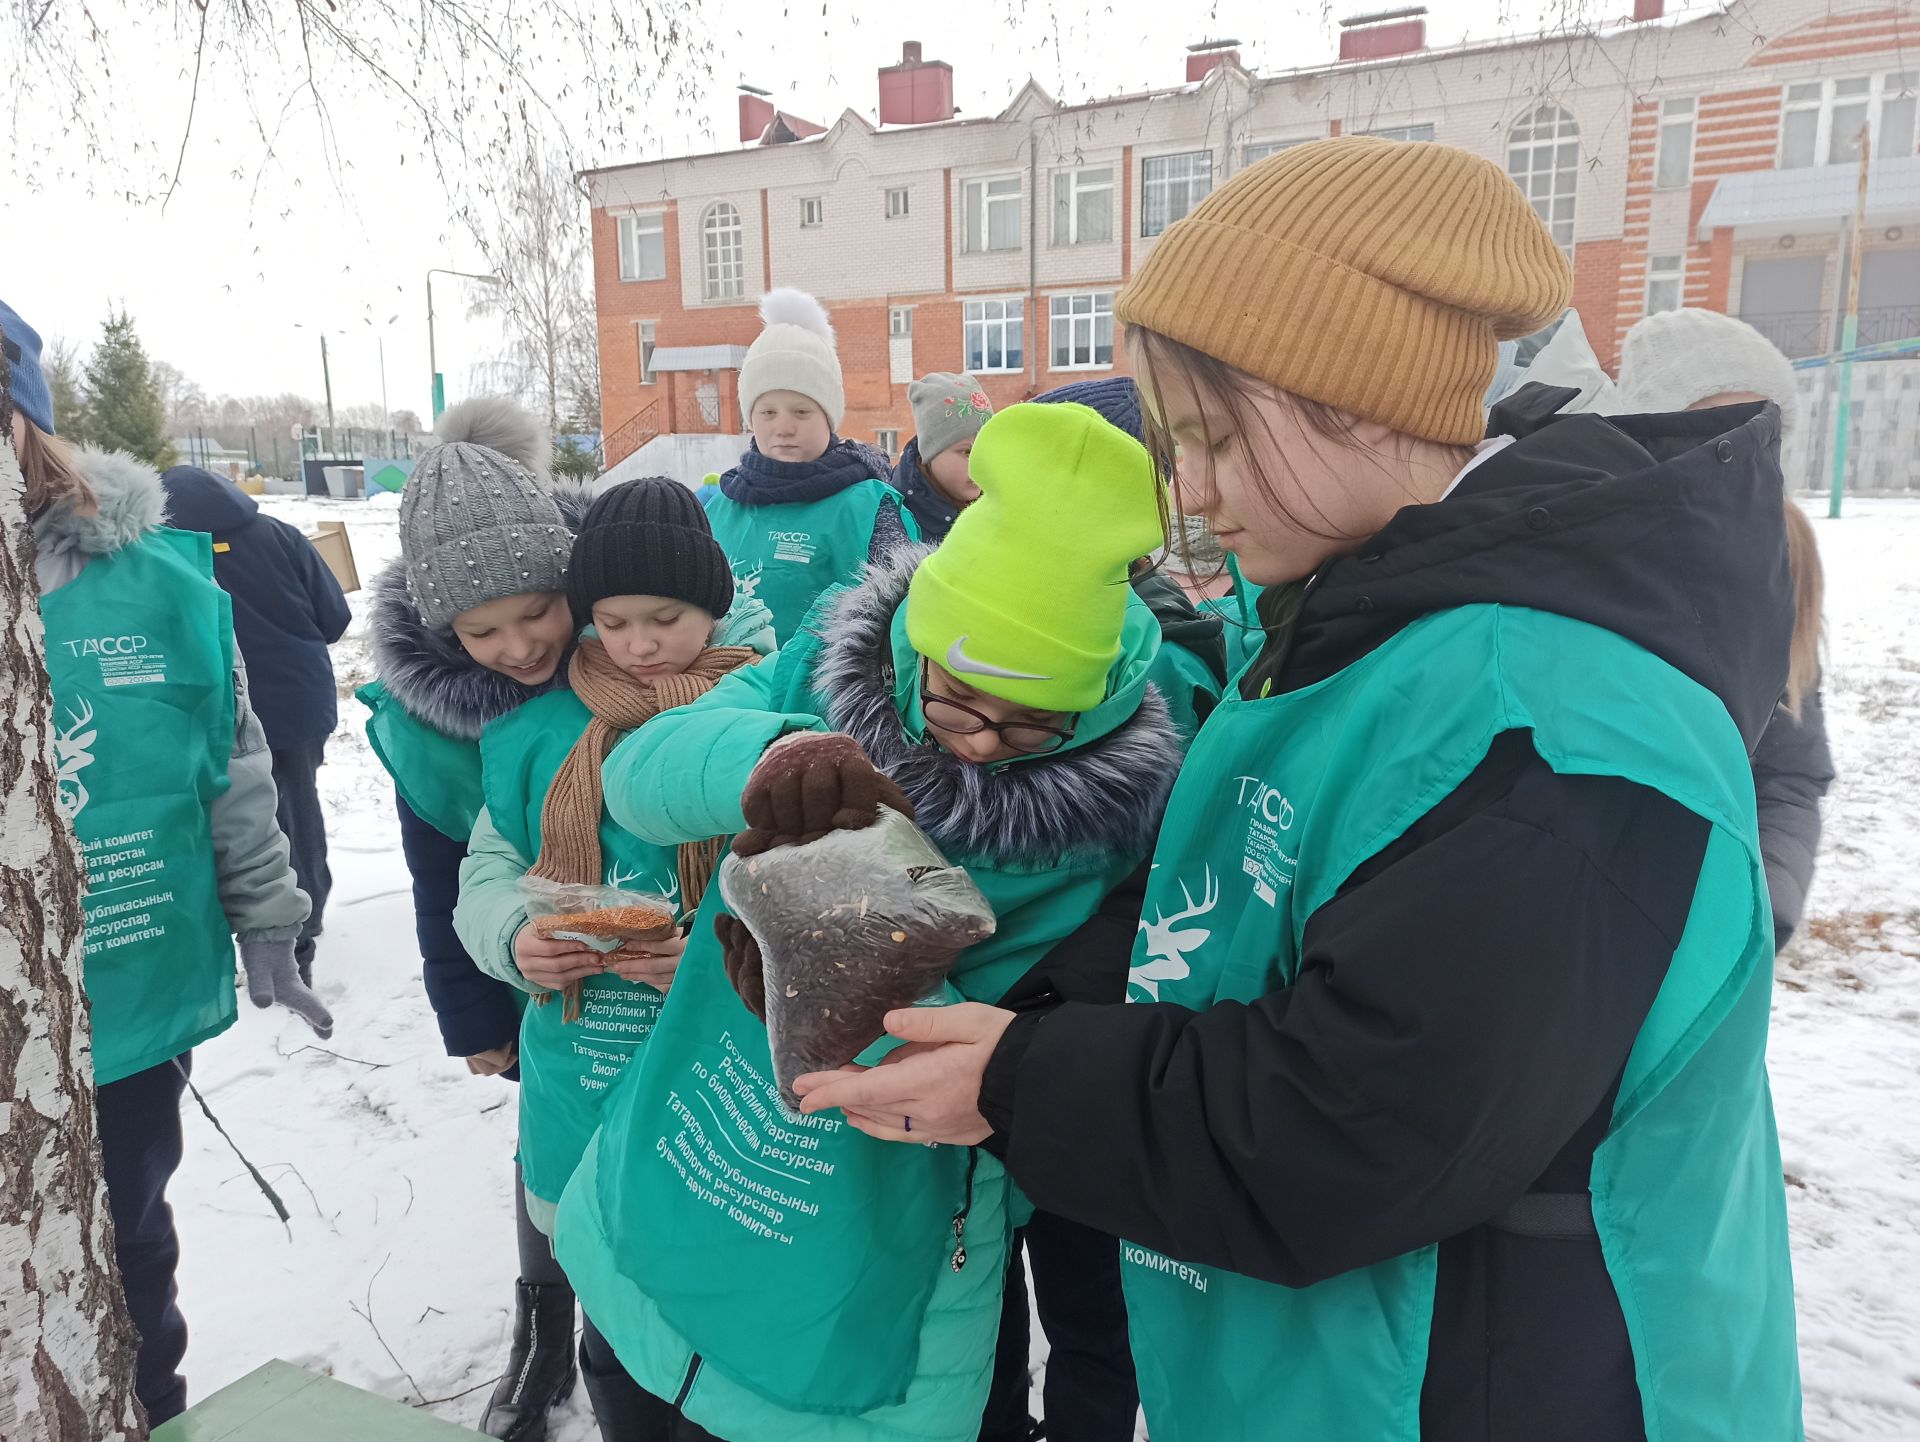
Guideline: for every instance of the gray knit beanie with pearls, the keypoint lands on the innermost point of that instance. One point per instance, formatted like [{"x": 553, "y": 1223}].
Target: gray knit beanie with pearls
[{"x": 476, "y": 522}]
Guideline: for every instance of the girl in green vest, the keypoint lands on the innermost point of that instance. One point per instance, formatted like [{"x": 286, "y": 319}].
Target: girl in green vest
[
  {"x": 1443, "y": 1111},
  {"x": 768, "y": 1279},
  {"x": 166, "y": 777},
  {"x": 647, "y": 576},
  {"x": 797, "y": 514},
  {"x": 470, "y": 624}
]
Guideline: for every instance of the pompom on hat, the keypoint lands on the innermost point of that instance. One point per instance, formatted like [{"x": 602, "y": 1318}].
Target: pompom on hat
[{"x": 1377, "y": 277}]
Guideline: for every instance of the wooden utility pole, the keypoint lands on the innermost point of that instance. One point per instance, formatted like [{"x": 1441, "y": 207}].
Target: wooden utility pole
[{"x": 1850, "y": 336}]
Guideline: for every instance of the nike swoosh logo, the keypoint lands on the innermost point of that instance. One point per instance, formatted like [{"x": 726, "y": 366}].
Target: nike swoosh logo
[{"x": 959, "y": 662}]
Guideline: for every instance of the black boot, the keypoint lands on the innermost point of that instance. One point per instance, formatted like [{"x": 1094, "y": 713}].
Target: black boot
[{"x": 540, "y": 1372}]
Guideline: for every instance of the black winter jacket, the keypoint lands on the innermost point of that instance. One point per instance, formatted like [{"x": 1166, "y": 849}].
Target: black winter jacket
[
  {"x": 287, "y": 607},
  {"x": 1792, "y": 770},
  {"x": 1466, "y": 1003}
]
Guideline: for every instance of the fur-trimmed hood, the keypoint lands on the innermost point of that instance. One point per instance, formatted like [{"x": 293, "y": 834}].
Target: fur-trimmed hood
[
  {"x": 1103, "y": 795},
  {"x": 427, "y": 671},
  {"x": 132, "y": 502}
]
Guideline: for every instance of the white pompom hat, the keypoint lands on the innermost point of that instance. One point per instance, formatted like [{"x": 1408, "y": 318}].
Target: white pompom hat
[
  {"x": 1678, "y": 358},
  {"x": 794, "y": 353}
]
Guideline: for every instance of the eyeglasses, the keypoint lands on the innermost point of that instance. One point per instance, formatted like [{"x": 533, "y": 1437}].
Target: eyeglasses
[{"x": 1029, "y": 738}]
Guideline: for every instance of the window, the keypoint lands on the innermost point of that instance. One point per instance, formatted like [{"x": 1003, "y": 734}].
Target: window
[
  {"x": 1403, "y": 132},
  {"x": 1820, "y": 119},
  {"x": 897, "y": 203},
  {"x": 1083, "y": 331},
  {"x": 993, "y": 334},
  {"x": 1083, "y": 206},
  {"x": 726, "y": 253},
  {"x": 992, "y": 213},
  {"x": 1261, "y": 149},
  {"x": 889, "y": 443},
  {"x": 1673, "y": 162},
  {"x": 813, "y": 212},
  {"x": 1665, "y": 274},
  {"x": 1170, "y": 186},
  {"x": 645, "y": 330},
  {"x": 900, "y": 322},
  {"x": 643, "y": 247},
  {"x": 1543, "y": 157}
]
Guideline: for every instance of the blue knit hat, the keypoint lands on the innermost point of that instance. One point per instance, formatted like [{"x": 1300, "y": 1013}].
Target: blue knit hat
[
  {"x": 1116, "y": 398},
  {"x": 28, "y": 383}
]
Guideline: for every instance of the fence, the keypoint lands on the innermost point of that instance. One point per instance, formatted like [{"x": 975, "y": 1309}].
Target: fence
[
  {"x": 1803, "y": 333},
  {"x": 1884, "y": 446}
]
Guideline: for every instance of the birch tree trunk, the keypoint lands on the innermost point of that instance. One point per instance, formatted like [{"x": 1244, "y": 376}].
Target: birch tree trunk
[{"x": 66, "y": 1345}]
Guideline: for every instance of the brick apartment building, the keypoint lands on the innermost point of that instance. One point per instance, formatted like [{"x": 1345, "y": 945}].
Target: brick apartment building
[{"x": 1707, "y": 158}]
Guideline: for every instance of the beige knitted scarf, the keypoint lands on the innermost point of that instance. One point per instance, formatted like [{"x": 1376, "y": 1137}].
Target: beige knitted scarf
[{"x": 570, "y": 815}]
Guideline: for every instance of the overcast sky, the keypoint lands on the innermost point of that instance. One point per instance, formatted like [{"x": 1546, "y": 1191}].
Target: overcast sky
[{"x": 234, "y": 281}]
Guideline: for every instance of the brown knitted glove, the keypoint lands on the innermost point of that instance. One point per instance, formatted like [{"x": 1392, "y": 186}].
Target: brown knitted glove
[
  {"x": 741, "y": 955},
  {"x": 809, "y": 785}
]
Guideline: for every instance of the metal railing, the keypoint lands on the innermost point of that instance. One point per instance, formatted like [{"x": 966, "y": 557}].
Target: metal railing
[
  {"x": 1799, "y": 333},
  {"x": 631, "y": 434}
]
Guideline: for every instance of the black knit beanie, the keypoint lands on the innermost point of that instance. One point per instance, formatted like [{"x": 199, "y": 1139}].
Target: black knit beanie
[{"x": 648, "y": 537}]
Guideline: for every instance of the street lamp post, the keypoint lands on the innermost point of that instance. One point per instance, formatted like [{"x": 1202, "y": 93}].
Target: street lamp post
[{"x": 433, "y": 358}]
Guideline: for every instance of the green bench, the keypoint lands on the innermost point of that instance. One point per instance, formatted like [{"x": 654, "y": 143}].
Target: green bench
[{"x": 284, "y": 1403}]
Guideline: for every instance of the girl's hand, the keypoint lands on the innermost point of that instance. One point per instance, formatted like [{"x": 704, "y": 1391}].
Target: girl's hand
[
  {"x": 925, "y": 1091},
  {"x": 494, "y": 1061},
  {"x": 552, "y": 962},
  {"x": 650, "y": 962}
]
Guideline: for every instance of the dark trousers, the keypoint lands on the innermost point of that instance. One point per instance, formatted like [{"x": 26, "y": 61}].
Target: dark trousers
[
  {"x": 140, "y": 1147},
  {"x": 624, "y": 1410},
  {"x": 296, "y": 773},
  {"x": 1090, "y": 1393}
]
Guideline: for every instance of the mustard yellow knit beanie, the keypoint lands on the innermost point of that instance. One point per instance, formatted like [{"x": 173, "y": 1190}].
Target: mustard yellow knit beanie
[{"x": 1374, "y": 276}]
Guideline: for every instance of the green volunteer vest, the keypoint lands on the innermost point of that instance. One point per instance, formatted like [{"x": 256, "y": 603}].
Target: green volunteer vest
[
  {"x": 567, "y": 1067},
  {"x": 437, "y": 775},
  {"x": 1239, "y": 615},
  {"x": 140, "y": 655},
  {"x": 786, "y": 555},
  {"x": 838, "y": 1238},
  {"x": 1281, "y": 799}
]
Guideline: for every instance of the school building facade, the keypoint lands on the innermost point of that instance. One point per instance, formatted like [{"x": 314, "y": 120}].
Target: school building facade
[{"x": 1706, "y": 158}]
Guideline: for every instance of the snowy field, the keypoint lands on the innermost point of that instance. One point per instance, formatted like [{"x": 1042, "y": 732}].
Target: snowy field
[{"x": 396, "y": 1271}]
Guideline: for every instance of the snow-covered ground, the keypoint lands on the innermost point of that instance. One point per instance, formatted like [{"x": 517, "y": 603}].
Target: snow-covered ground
[{"x": 396, "y": 1271}]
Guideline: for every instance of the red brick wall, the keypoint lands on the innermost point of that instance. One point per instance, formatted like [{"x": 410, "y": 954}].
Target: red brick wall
[{"x": 1596, "y": 294}]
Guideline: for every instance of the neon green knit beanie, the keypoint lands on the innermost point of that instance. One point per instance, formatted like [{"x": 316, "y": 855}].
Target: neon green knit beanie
[{"x": 1024, "y": 598}]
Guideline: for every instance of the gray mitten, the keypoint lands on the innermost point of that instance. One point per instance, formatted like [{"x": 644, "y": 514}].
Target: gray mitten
[{"x": 273, "y": 978}]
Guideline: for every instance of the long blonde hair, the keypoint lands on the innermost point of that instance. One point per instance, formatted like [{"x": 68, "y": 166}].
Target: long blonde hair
[
  {"x": 1809, "y": 596},
  {"x": 48, "y": 466}
]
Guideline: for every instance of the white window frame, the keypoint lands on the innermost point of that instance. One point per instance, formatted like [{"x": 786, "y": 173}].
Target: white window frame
[
  {"x": 1666, "y": 283},
  {"x": 899, "y": 202},
  {"x": 900, "y": 322},
  {"x": 1550, "y": 127},
  {"x": 1078, "y": 315},
  {"x": 1679, "y": 125},
  {"x": 1068, "y": 187},
  {"x": 632, "y": 226},
  {"x": 723, "y": 252},
  {"x": 979, "y": 197},
  {"x": 813, "y": 212},
  {"x": 1255, "y": 151},
  {"x": 986, "y": 315},
  {"x": 1881, "y": 88},
  {"x": 646, "y": 338},
  {"x": 1420, "y": 130},
  {"x": 888, "y": 442},
  {"x": 1157, "y": 214}
]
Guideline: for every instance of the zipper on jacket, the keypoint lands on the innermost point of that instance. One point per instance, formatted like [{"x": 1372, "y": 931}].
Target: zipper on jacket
[{"x": 959, "y": 1258}]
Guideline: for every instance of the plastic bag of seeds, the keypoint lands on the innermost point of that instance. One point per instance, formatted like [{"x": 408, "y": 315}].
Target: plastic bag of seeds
[
  {"x": 850, "y": 927},
  {"x": 603, "y": 918}
]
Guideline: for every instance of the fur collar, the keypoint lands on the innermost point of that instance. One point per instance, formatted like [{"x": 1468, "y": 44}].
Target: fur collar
[
  {"x": 428, "y": 672},
  {"x": 1101, "y": 799},
  {"x": 132, "y": 502}
]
